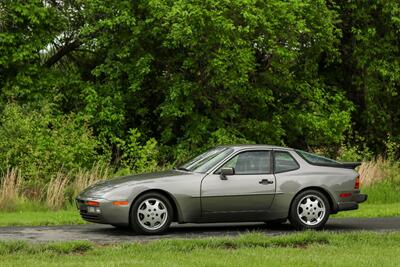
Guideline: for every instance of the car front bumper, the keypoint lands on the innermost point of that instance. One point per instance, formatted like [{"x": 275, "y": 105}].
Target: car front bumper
[{"x": 106, "y": 212}]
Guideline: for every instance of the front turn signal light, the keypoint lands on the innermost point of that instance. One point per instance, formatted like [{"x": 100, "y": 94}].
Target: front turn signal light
[{"x": 120, "y": 203}]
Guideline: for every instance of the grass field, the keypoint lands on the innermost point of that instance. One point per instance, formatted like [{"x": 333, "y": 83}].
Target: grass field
[
  {"x": 300, "y": 249},
  {"x": 45, "y": 217}
]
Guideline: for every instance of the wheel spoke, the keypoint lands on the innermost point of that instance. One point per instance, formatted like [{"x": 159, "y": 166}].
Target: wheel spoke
[
  {"x": 303, "y": 206},
  {"x": 318, "y": 210},
  {"x": 142, "y": 212}
]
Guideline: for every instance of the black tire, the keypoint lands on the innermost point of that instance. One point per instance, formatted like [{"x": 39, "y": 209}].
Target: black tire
[
  {"x": 298, "y": 222},
  {"x": 134, "y": 220}
]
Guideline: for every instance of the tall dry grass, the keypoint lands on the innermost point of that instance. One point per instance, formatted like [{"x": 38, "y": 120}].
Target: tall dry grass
[
  {"x": 61, "y": 189},
  {"x": 379, "y": 170},
  {"x": 372, "y": 171},
  {"x": 55, "y": 196},
  {"x": 85, "y": 178},
  {"x": 10, "y": 188}
]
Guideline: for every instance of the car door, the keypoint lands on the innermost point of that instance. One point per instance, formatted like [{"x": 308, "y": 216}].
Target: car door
[{"x": 249, "y": 191}]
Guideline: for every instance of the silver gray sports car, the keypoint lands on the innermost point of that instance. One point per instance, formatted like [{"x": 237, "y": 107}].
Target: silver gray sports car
[{"x": 228, "y": 184}]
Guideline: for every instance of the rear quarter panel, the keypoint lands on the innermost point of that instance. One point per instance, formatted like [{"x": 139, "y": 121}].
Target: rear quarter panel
[{"x": 332, "y": 180}]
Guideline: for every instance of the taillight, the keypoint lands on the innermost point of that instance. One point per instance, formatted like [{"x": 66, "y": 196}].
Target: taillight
[{"x": 357, "y": 185}]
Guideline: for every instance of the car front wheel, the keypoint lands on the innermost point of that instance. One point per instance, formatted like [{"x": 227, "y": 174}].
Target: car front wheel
[
  {"x": 151, "y": 213},
  {"x": 309, "y": 210}
]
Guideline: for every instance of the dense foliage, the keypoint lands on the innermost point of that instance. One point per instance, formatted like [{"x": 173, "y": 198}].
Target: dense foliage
[{"x": 141, "y": 83}]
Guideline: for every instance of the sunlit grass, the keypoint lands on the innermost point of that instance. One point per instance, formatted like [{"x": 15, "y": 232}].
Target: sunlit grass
[
  {"x": 299, "y": 249},
  {"x": 43, "y": 217}
]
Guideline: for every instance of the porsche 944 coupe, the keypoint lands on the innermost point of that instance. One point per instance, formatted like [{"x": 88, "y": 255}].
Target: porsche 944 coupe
[{"x": 235, "y": 183}]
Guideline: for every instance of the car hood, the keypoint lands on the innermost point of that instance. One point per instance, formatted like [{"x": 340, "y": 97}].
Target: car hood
[{"x": 100, "y": 188}]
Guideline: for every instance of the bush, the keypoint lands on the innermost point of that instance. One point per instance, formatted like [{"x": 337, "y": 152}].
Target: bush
[
  {"x": 354, "y": 153},
  {"x": 40, "y": 143},
  {"x": 136, "y": 155}
]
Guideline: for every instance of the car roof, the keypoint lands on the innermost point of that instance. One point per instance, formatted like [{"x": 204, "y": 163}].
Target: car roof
[{"x": 255, "y": 146}]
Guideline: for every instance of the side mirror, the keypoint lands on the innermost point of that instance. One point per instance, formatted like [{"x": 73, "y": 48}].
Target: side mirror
[{"x": 226, "y": 171}]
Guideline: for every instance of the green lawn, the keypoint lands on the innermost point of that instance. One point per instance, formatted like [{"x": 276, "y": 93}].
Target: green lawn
[
  {"x": 300, "y": 249},
  {"x": 44, "y": 217}
]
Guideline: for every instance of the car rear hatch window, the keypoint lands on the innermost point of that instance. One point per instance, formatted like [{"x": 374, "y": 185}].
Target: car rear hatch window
[{"x": 318, "y": 160}]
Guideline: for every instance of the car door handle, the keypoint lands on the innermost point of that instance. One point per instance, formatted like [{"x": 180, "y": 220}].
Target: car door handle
[{"x": 265, "y": 181}]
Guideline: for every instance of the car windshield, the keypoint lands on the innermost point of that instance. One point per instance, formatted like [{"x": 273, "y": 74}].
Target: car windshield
[
  {"x": 316, "y": 159},
  {"x": 207, "y": 160}
]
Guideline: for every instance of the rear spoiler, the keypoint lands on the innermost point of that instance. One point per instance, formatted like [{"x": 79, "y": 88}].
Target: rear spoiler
[
  {"x": 349, "y": 165},
  {"x": 346, "y": 165}
]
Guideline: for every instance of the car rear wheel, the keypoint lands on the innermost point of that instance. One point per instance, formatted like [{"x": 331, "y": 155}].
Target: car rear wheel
[
  {"x": 309, "y": 210},
  {"x": 151, "y": 213}
]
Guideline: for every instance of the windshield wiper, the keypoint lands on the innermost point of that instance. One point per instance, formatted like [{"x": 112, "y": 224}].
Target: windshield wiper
[{"x": 181, "y": 169}]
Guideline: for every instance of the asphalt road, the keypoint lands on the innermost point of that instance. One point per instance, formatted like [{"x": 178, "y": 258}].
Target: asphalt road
[{"x": 109, "y": 234}]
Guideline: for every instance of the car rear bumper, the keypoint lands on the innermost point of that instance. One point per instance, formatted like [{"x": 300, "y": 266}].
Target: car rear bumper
[
  {"x": 353, "y": 205},
  {"x": 360, "y": 198}
]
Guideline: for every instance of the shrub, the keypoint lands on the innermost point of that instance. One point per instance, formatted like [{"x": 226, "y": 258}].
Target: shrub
[
  {"x": 354, "y": 153},
  {"x": 40, "y": 143},
  {"x": 137, "y": 155}
]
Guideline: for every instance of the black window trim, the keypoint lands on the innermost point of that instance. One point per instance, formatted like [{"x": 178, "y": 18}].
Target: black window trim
[
  {"x": 284, "y": 151},
  {"x": 249, "y": 150}
]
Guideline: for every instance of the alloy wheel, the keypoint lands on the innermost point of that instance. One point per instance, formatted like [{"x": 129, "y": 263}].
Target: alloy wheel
[
  {"x": 311, "y": 210},
  {"x": 152, "y": 213}
]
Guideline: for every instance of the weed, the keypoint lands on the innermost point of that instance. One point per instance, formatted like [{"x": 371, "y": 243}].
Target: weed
[{"x": 10, "y": 188}]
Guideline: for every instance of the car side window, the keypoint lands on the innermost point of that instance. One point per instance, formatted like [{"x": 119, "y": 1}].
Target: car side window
[
  {"x": 251, "y": 162},
  {"x": 284, "y": 162}
]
